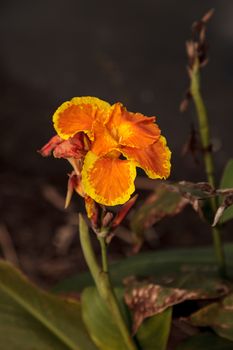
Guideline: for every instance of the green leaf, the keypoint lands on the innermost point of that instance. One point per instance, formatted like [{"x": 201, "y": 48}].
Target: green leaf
[
  {"x": 218, "y": 316},
  {"x": 227, "y": 182},
  {"x": 31, "y": 319},
  {"x": 154, "y": 332},
  {"x": 99, "y": 321},
  {"x": 205, "y": 341},
  {"x": 162, "y": 264}
]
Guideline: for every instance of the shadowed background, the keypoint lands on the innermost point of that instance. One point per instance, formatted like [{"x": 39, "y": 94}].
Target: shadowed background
[{"x": 127, "y": 51}]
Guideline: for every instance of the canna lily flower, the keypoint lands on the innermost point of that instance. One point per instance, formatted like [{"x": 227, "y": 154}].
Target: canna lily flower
[{"x": 109, "y": 142}]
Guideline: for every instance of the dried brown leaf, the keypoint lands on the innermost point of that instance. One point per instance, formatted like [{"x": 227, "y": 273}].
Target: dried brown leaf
[
  {"x": 228, "y": 201},
  {"x": 160, "y": 204},
  {"x": 197, "y": 49},
  {"x": 218, "y": 316},
  {"x": 146, "y": 300}
]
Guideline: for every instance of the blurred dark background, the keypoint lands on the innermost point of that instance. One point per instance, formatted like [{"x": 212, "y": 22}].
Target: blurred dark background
[{"x": 128, "y": 51}]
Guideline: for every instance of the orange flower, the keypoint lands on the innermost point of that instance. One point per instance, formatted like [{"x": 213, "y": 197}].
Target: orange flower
[{"x": 116, "y": 142}]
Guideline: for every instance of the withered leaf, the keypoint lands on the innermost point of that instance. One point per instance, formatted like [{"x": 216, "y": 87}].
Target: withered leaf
[
  {"x": 169, "y": 199},
  {"x": 199, "y": 190},
  {"x": 218, "y": 316},
  {"x": 228, "y": 201},
  {"x": 197, "y": 51},
  {"x": 163, "y": 202},
  {"x": 148, "y": 299}
]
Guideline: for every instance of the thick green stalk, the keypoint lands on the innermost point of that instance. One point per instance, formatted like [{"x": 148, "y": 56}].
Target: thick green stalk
[
  {"x": 208, "y": 158},
  {"x": 104, "y": 254},
  {"x": 102, "y": 281}
]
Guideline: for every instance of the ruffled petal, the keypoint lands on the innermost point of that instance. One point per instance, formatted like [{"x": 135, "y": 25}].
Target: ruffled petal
[
  {"x": 132, "y": 129},
  {"x": 108, "y": 180},
  {"x": 154, "y": 160},
  {"x": 103, "y": 141},
  {"x": 78, "y": 115}
]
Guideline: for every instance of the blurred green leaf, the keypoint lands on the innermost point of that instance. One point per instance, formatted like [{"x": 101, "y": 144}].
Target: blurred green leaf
[
  {"x": 227, "y": 182},
  {"x": 218, "y": 316},
  {"x": 99, "y": 321},
  {"x": 154, "y": 332},
  {"x": 162, "y": 264},
  {"x": 33, "y": 319},
  {"x": 205, "y": 341}
]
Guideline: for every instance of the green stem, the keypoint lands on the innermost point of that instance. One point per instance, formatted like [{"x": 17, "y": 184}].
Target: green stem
[
  {"x": 203, "y": 123},
  {"x": 219, "y": 251},
  {"x": 208, "y": 158},
  {"x": 103, "y": 282},
  {"x": 104, "y": 254}
]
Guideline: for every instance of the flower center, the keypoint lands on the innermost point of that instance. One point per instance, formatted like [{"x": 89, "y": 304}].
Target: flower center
[
  {"x": 114, "y": 154},
  {"x": 120, "y": 132}
]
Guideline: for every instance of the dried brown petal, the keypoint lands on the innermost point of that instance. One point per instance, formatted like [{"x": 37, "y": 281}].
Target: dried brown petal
[
  {"x": 47, "y": 149},
  {"x": 192, "y": 145},
  {"x": 207, "y": 16},
  {"x": 123, "y": 211},
  {"x": 74, "y": 183},
  {"x": 185, "y": 102}
]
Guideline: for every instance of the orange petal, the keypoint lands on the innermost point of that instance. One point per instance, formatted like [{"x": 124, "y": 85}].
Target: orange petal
[
  {"x": 109, "y": 181},
  {"x": 78, "y": 115},
  {"x": 154, "y": 160},
  {"x": 103, "y": 141},
  {"x": 132, "y": 129}
]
